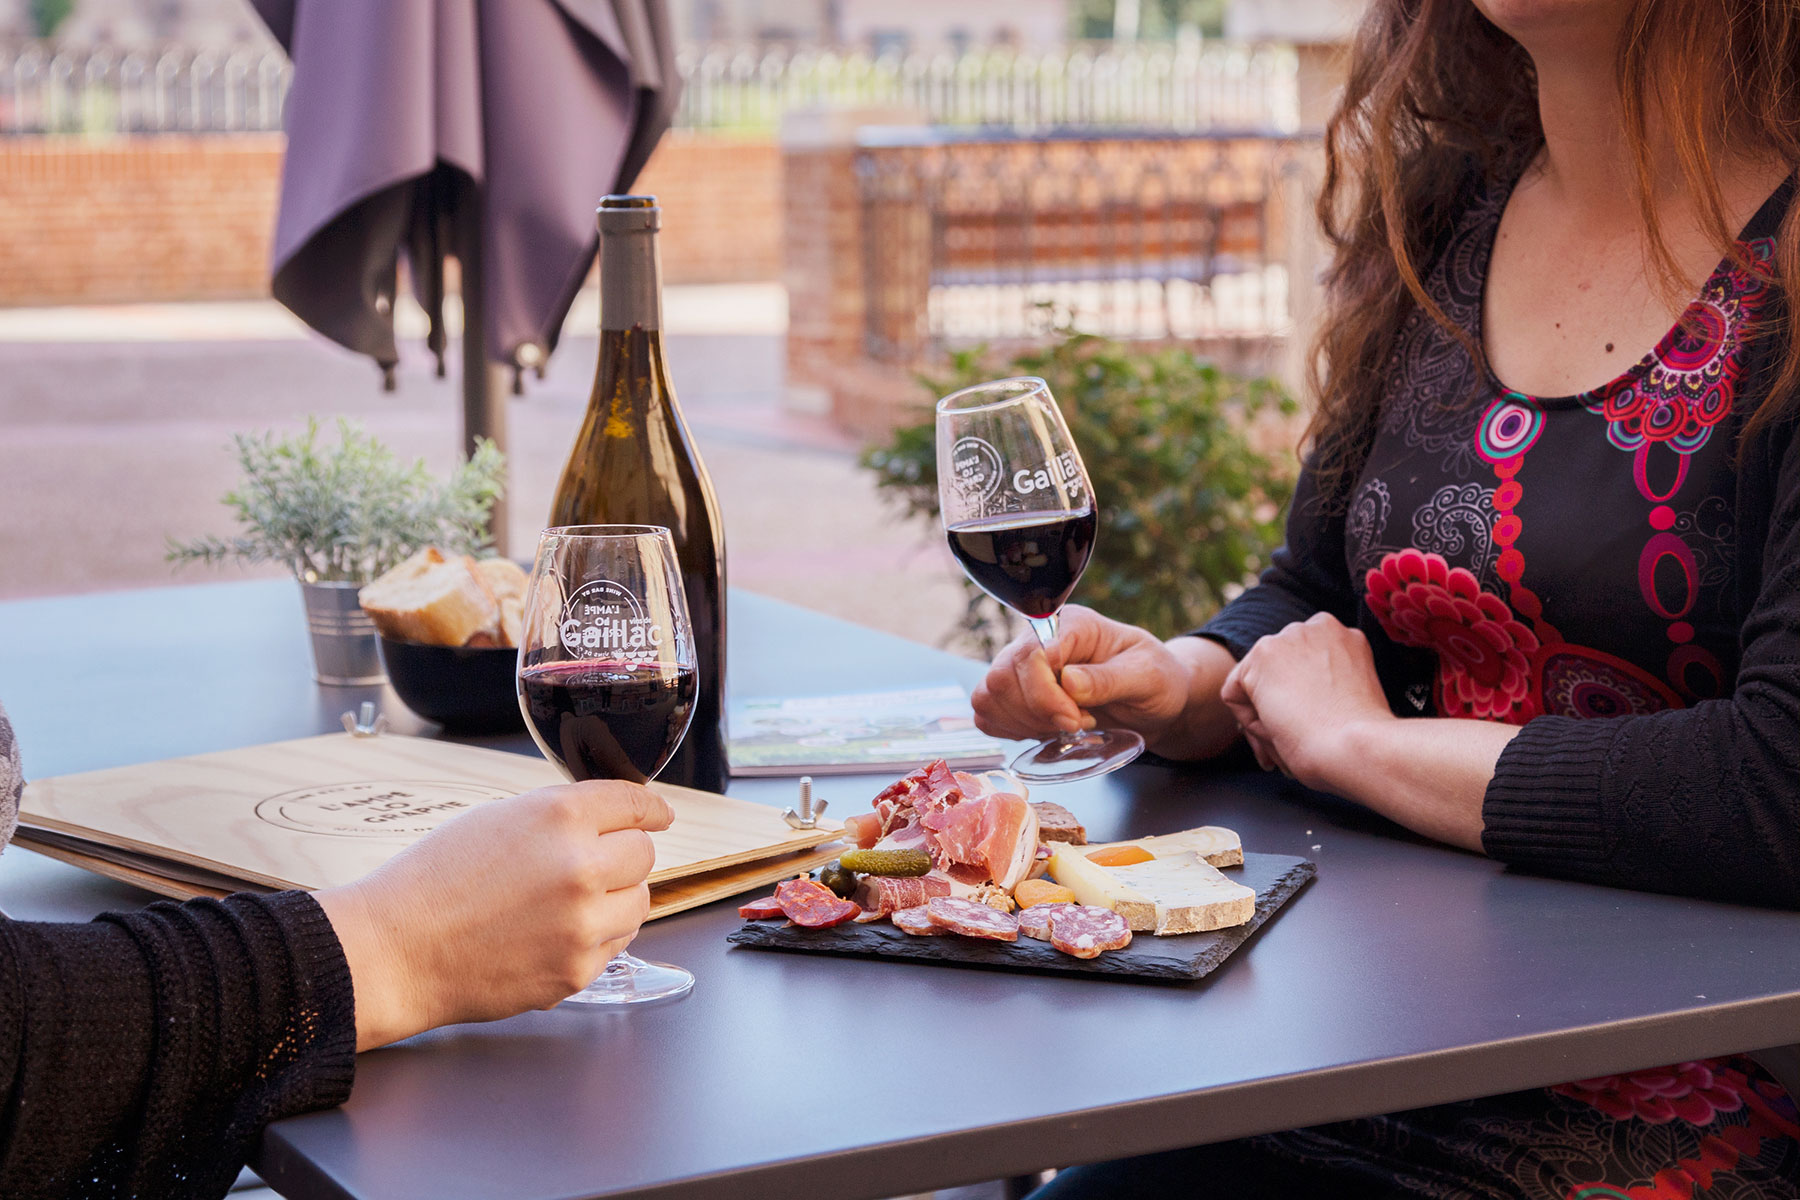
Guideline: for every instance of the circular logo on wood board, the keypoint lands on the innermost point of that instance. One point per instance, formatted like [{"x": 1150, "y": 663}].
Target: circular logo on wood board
[{"x": 383, "y": 808}]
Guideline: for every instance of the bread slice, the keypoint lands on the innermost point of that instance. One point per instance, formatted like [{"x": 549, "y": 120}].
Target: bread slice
[
  {"x": 1190, "y": 895},
  {"x": 432, "y": 598},
  {"x": 507, "y": 581}
]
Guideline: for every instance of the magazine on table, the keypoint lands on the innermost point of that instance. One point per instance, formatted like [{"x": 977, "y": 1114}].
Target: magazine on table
[{"x": 857, "y": 733}]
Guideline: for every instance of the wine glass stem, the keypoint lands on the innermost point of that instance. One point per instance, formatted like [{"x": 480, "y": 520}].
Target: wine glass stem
[{"x": 1045, "y": 628}]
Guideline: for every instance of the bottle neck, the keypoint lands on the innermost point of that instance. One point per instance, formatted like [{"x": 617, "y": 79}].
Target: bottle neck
[{"x": 630, "y": 281}]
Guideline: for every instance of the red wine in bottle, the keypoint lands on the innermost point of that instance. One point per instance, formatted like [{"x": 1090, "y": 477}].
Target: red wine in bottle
[{"x": 634, "y": 463}]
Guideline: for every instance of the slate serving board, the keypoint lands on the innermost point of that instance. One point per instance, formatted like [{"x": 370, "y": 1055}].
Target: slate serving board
[{"x": 1181, "y": 958}]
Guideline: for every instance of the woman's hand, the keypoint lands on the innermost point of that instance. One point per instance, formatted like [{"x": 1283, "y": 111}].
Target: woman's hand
[
  {"x": 1303, "y": 695},
  {"x": 515, "y": 905},
  {"x": 1111, "y": 674}
]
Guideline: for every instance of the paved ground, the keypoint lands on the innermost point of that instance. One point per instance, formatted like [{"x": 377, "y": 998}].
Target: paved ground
[{"x": 115, "y": 430}]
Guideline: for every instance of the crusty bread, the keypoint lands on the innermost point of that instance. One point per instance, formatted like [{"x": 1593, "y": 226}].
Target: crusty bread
[
  {"x": 507, "y": 581},
  {"x": 434, "y": 599}
]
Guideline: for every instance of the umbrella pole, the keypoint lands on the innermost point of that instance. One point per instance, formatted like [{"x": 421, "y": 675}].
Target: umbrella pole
[{"x": 485, "y": 387}]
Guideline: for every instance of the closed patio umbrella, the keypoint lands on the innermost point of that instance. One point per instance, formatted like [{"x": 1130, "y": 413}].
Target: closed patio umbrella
[{"x": 483, "y": 130}]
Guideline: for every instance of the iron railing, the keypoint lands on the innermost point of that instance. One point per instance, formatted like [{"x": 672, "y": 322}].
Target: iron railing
[
  {"x": 1131, "y": 235},
  {"x": 50, "y": 88}
]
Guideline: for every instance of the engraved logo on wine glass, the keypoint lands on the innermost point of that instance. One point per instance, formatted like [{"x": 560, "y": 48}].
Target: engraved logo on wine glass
[
  {"x": 1060, "y": 472},
  {"x": 386, "y": 809},
  {"x": 604, "y": 619},
  {"x": 977, "y": 468}
]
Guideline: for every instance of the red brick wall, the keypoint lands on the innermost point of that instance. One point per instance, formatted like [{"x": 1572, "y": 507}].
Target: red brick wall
[
  {"x": 164, "y": 218},
  {"x": 180, "y": 218}
]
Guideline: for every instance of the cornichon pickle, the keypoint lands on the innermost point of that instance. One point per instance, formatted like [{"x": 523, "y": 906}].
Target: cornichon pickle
[
  {"x": 887, "y": 862},
  {"x": 841, "y": 882}
]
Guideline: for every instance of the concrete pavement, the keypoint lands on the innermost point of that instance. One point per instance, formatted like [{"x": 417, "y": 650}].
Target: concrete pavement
[{"x": 115, "y": 428}]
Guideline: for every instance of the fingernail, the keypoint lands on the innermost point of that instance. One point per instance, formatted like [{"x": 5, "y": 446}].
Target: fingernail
[{"x": 1074, "y": 677}]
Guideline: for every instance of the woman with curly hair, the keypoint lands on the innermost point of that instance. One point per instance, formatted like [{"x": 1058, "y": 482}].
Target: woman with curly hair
[{"x": 1540, "y": 596}]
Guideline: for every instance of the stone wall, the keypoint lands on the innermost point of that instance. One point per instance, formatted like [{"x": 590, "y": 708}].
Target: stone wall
[{"x": 191, "y": 218}]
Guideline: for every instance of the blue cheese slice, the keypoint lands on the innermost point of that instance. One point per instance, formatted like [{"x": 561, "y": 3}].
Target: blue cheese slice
[
  {"x": 1219, "y": 846},
  {"x": 1189, "y": 894}
]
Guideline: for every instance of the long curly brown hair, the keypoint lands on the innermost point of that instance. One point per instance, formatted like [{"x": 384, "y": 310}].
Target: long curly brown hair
[{"x": 1440, "y": 101}]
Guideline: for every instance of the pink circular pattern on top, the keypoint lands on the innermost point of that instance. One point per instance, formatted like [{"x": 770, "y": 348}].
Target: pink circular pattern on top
[{"x": 1690, "y": 1091}]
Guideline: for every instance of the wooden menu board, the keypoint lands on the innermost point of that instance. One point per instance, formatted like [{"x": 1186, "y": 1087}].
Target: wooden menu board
[{"x": 322, "y": 811}]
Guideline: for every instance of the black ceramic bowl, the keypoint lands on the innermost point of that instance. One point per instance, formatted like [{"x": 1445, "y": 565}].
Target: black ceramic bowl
[{"x": 465, "y": 689}]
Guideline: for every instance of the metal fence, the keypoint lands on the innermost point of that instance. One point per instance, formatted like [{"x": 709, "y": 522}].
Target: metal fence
[
  {"x": 1130, "y": 235},
  {"x": 46, "y": 88}
]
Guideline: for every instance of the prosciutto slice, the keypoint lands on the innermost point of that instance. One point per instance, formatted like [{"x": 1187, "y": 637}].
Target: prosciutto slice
[{"x": 972, "y": 828}]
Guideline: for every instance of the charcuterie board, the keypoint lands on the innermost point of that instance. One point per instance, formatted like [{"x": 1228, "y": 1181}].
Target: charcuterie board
[{"x": 1275, "y": 878}]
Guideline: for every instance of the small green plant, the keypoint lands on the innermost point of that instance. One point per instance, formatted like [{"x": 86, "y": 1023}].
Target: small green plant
[
  {"x": 347, "y": 512},
  {"x": 1190, "y": 509}
]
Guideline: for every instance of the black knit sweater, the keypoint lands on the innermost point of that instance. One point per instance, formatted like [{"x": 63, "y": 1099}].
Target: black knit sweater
[
  {"x": 141, "y": 1053},
  {"x": 1616, "y": 571}
]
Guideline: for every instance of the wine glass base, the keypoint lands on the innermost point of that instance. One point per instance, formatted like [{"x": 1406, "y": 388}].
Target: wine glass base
[
  {"x": 1078, "y": 756},
  {"x": 631, "y": 980}
]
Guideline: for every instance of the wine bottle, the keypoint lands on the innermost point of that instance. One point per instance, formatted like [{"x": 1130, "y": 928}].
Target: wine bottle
[{"x": 634, "y": 463}]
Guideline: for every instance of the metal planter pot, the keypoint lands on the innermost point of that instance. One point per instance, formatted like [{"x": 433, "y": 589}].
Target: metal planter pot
[{"x": 345, "y": 653}]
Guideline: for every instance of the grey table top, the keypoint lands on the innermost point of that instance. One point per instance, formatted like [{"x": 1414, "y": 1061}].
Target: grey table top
[{"x": 1407, "y": 974}]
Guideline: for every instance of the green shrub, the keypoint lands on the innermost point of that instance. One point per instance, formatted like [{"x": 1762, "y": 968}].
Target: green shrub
[
  {"x": 347, "y": 513},
  {"x": 1189, "y": 508}
]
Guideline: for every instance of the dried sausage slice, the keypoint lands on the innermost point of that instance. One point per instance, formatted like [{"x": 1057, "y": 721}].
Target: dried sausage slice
[
  {"x": 760, "y": 910},
  {"x": 915, "y": 921},
  {"x": 810, "y": 903},
  {"x": 972, "y": 919},
  {"x": 1034, "y": 922},
  {"x": 1084, "y": 930}
]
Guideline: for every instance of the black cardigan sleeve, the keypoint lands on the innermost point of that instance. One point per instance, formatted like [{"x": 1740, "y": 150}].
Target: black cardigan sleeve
[
  {"x": 1306, "y": 575},
  {"x": 141, "y": 1053},
  {"x": 1703, "y": 800}
]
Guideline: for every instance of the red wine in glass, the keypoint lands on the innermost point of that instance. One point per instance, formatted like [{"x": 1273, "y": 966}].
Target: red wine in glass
[
  {"x": 1020, "y": 516},
  {"x": 609, "y": 681},
  {"x": 1025, "y": 561},
  {"x": 608, "y": 720}
]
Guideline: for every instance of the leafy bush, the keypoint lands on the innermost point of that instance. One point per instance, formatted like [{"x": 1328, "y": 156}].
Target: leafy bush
[
  {"x": 1189, "y": 508},
  {"x": 349, "y": 512}
]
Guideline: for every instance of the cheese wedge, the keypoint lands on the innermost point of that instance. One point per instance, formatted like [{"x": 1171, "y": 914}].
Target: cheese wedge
[
  {"x": 1100, "y": 886},
  {"x": 1217, "y": 845},
  {"x": 1188, "y": 894}
]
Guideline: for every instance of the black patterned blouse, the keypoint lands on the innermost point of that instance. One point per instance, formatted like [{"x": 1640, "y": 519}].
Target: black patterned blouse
[
  {"x": 1606, "y": 569},
  {"x": 1614, "y": 573}
]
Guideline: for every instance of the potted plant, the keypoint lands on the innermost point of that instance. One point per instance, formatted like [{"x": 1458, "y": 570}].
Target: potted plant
[{"x": 337, "y": 517}]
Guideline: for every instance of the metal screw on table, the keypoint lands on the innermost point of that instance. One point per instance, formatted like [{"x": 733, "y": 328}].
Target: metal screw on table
[{"x": 809, "y": 814}]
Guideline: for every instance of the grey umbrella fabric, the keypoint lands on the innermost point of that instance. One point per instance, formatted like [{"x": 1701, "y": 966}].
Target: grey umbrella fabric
[{"x": 480, "y": 129}]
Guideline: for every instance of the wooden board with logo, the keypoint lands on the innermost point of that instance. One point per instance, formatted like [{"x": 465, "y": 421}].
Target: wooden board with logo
[{"x": 322, "y": 811}]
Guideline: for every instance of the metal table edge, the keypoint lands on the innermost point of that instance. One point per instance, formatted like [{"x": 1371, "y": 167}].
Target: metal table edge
[{"x": 1154, "y": 1124}]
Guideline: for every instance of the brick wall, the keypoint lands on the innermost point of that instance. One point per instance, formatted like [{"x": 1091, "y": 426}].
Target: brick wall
[
  {"x": 162, "y": 218},
  {"x": 179, "y": 218}
]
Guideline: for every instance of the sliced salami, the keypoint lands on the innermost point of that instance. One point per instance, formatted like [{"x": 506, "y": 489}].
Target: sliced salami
[
  {"x": 1084, "y": 931},
  {"x": 1034, "y": 922},
  {"x": 972, "y": 919},
  {"x": 915, "y": 921},
  {"x": 810, "y": 903},
  {"x": 761, "y": 910}
]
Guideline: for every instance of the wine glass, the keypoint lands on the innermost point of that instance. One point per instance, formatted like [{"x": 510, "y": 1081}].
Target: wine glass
[
  {"x": 1020, "y": 515},
  {"x": 607, "y": 682}
]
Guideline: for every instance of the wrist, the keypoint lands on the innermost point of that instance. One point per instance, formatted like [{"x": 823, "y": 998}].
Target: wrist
[
  {"x": 378, "y": 979},
  {"x": 1349, "y": 756}
]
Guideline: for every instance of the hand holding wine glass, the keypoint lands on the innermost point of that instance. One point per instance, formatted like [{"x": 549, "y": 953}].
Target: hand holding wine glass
[
  {"x": 1019, "y": 511},
  {"x": 607, "y": 681}
]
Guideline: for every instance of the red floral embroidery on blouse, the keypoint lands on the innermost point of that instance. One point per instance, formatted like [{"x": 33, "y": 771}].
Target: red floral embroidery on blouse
[
  {"x": 1690, "y": 1091},
  {"x": 1484, "y": 651}
]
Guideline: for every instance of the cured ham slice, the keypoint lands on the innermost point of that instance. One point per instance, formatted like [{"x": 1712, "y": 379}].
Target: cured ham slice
[{"x": 886, "y": 894}]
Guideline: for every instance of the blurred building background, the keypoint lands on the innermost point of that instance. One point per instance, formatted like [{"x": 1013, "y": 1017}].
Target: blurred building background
[{"x": 854, "y": 189}]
